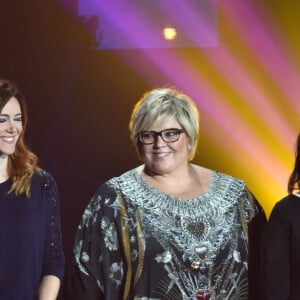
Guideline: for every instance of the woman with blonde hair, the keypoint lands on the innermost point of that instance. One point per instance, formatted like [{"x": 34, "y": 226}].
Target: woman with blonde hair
[{"x": 167, "y": 229}]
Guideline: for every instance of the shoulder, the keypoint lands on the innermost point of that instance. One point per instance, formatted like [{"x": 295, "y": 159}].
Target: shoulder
[
  {"x": 236, "y": 191},
  {"x": 230, "y": 178},
  {"x": 43, "y": 176},
  {"x": 43, "y": 181},
  {"x": 219, "y": 178},
  {"x": 228, "y": 182},
  {"x": 124, "y": 178},
  {"x": 286, "y": 213},
  {"x": 290, "y": 204},
  {"x": 110, "y": 188},
  {"x": 104, "y": 200}
]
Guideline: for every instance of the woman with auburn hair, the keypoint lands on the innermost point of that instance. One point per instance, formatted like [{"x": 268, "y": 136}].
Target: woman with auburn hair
[
  {"x": 31, "y": 255},
  {"x": 281, "y": 242}
]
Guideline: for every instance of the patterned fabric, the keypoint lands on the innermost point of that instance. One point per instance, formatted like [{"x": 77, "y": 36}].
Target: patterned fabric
[{"x": 135, "y": 242}]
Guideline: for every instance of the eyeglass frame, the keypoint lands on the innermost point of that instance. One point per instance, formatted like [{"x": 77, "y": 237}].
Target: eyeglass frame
[{"x": 160, "y": 133}]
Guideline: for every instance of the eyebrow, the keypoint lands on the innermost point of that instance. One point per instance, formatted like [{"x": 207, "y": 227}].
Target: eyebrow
[
  {"x": 162, "y": 130},
  {"x": 7, "y": 115}
]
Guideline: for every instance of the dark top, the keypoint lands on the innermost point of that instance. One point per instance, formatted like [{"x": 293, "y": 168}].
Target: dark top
[
  {"x": 281, "y": 251},
  {"x": 135, "y": 242},
  {"x": 30, "y": 238}
]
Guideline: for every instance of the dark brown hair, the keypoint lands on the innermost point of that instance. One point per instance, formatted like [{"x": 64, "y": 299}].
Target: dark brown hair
[
  {"x": 22, "y": 163},
  {"x": 294, "y": 180}
]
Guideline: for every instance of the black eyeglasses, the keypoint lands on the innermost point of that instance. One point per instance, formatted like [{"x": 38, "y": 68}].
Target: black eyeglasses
[{"x": 169, "y": 135}]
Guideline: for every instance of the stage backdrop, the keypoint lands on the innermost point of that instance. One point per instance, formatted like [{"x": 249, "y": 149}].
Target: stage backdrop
[{"x": 83, "y": 64}]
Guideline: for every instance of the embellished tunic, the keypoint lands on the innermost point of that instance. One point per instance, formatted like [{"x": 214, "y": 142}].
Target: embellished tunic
[
  {"x": 135, "y": 242},
  {"x": 30, "y": 238}
]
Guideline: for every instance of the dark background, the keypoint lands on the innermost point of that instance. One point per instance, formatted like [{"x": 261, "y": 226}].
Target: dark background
[
  {"x": 80, "y": 100},
  {"x": 79, "y": 103}
]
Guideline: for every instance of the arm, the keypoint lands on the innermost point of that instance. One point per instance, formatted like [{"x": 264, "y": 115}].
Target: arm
[
  {"x": 53, "y": 258},
  {"x": 49, "y": 288},
  {"x": 255, "y": 230},
  {"x": 275, "y": 248},
  {"x": 94, "y": 273}
]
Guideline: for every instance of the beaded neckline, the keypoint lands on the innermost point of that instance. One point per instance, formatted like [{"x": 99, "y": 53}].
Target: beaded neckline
[
  {"x": 146, "y": 185},
  {"x": 141, "y": 193}
]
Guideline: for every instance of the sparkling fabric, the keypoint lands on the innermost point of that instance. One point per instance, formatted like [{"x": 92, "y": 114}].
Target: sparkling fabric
[{"x": 135, "y": 242}]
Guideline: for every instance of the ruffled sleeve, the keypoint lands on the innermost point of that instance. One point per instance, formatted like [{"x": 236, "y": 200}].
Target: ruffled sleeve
[{"x": 97, "y": 261}]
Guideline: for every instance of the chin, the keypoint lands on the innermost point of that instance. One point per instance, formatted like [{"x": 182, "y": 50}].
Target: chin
[{"x": 8, "y": 152}]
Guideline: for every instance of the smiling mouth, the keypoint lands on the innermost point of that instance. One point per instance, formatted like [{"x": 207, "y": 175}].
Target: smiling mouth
[
  {"x": 8, "y": 139},
  {"x": 161, "y": 154}
]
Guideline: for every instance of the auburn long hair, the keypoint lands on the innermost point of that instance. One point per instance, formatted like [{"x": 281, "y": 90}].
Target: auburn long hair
[
  {"x": 23, "y": 163},
  {"x": 294, "y": 180}
]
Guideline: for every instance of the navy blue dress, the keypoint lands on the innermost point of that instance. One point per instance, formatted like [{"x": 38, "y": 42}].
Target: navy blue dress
[{"x": 30, "y": 236}]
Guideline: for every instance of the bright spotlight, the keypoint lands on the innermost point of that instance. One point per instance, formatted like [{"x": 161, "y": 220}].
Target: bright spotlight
[{"x": 169, "y": 33}]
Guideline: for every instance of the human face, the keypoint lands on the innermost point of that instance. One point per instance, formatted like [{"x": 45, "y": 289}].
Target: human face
[
  {"x": 10, "y": 126},
  {"x": 164, "y": 158}
]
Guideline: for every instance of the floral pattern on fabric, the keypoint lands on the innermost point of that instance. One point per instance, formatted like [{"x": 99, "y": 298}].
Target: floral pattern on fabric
[{"x": 139, "y": 243}]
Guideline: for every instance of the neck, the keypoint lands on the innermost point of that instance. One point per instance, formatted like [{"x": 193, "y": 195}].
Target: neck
[
  {"x": 179, "y": 174},
  {"x": 190, "y": 183},
  {"x": 3, "y": 167}
]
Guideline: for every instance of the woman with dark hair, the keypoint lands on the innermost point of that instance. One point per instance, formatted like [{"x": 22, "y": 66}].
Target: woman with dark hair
[
  {"x": 281, "y": 243},
  {"x": 31, "y": 255}
]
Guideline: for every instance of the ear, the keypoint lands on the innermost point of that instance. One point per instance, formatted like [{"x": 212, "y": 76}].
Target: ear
[
  {"x": 189, "y": 146},
  {"x": 191, "y": 152}
]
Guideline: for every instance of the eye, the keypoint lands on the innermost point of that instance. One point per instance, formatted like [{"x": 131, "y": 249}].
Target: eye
[
  {"x": 170, "y": 133},
  {"x": 2, "y": 119},
  {"x": 18, "y": 119},
  {"x": 147, "y": 135}
]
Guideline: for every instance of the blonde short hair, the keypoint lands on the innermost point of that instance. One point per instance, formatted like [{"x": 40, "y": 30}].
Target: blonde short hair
[{"x": 160, "y": 105}]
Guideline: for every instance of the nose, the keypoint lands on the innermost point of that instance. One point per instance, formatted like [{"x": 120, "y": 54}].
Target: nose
[
  {"x": 158, "y": 141},
  {"x": 11, "y": 127}
]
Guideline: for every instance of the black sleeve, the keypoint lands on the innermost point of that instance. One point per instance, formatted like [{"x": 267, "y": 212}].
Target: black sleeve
[
  {"x": 53, "y": 260},
  {"x": 78, "y": 286},
  {"x": 97, "y": 269},
  {"x": 255, "y": 233},
  {"x": 275, "y": 252}
]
